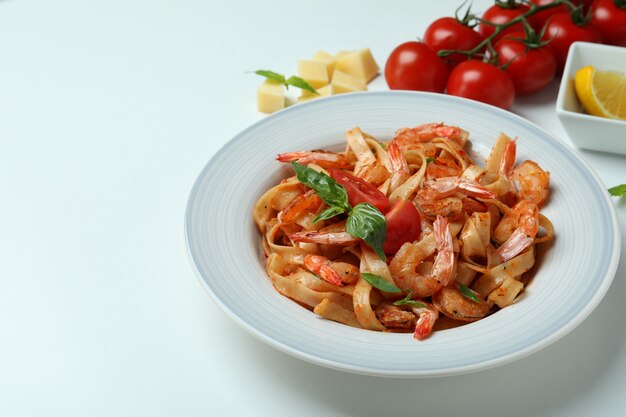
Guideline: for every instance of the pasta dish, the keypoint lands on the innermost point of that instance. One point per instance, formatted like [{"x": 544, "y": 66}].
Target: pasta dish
[{"x": 394, "y": 236}]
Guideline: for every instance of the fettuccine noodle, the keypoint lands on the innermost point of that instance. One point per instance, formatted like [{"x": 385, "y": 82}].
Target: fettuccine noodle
[{"x": 461, "y": 236}]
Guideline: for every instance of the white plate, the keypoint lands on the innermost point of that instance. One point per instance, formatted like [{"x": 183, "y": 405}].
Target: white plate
[{"x": 571, "y": 279}]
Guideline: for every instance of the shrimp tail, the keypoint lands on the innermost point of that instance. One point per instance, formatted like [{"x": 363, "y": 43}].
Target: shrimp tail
[{"x": 425, "y": 322}]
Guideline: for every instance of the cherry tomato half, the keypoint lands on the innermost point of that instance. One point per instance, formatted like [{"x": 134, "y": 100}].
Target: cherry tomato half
[
  {"x": 449, "y": 33},
  {"x": 562, "y": 31},
  {"x": 359, "y": 190},
  {"x": 414, "y": 66},
  {"x": 610, "y": 18},
  {"x": 530, "y": 68},
  {"x": 481, "y": 81},
  {"x": 501, "y": 13},
  {"x": 403, "y": 225}
]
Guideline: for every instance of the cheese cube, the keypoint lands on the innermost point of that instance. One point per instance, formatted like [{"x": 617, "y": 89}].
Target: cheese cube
[
  {"x": 359, "y": 63},
  {"x": 325, "y": 91},
  {"x": 328, "y": 60},
  {"x": 341, "y": 53},
  {"x": 270, "y": 96},
  {"x": 346, "y": 83},
  {"x": 313, "y": 72}
]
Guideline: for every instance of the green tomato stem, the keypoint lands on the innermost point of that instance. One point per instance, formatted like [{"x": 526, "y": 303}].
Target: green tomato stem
[{"x": 534, "y": 9}]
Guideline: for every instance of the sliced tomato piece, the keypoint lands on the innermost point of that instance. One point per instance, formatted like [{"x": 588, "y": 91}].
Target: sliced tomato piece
[
  {"x": 360, "y": 191},
  {"x": 403, "y": 225}
]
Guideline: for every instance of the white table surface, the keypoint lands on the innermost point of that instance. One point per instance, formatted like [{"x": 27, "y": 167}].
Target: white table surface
[{"x": 108, "y": 111}]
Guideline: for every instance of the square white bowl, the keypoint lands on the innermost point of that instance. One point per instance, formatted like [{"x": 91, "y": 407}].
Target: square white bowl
[{"x": 587, "y": 131}]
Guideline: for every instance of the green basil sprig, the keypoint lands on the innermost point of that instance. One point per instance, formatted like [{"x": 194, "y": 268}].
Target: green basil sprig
[
  {"x": 368, "y": 223},
  {"x": 364, "y": 220},
  {"x": 293, "y": 80},
  {"x": 467, "y": 293},
  {"x": 329, "y": 190},
  {"x": 379, "y": 282},
  {"x": 618, "y": 190},
  {"x": 406, "y": 301}
]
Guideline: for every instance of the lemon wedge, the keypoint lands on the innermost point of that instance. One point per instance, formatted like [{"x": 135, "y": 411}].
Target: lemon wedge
[{"x": 602, "y": 93}]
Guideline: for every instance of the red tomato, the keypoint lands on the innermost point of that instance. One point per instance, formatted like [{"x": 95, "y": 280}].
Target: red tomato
[
  {"x": 481, "y": 81},
  {"x": 562, "y": 31},
  {"x": 359, "y": 190},
  {"x": 403, "y": 225},
  {"x": 541, "y": 18},
  {"x": 501, "y": 13},
  {"x": 414, "y": 66},
  {"x": 530, "y": 68},
  {"x": 449, "y": 33},
  {"x": 610, "y": 18}
]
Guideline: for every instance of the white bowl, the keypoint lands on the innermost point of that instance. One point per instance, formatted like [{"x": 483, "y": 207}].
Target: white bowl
[
  {"x": 571, "y": 277},
  {"x": 584, "y": 130}
]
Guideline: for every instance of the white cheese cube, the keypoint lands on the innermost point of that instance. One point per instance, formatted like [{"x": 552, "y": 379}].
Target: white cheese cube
[
  {"x": 360, "y": 64},
  {"x": 313, "y": 72},
  {"x": 325, "y": 91},
  {"x": 346, "y": 83},
  {"x": 270, "y": 96},
  {"x": 328, "y": 60}
]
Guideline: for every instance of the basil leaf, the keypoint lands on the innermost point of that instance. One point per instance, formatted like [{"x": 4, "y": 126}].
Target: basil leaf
[
  {"x": 300, "y": 83},
  {"x": 618, "y": 190},
  {"x": 271, "y": 75},
  {"x": 379, "y": 282},
  {"x": 328, "y": 213},
  {"x": 467, "y": 293},
  {"x": 329, "y": 190},
  {"x": 429, "y": 160},
  {"x": 368, "y": 223},
  {"x": 406, "y": 301}
]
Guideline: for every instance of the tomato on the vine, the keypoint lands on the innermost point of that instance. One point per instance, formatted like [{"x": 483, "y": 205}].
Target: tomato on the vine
[
  {"x": 450, "y": 33},
  {"x": 564, "y": 29},
  {"x": 481, "y": 81},
  {"x": 530, "y": 64},
  {"x": 503, "y": 11},
  {"x": 403, "y": 225},
  {"x": 610, "y": 18},
  {"x": 359, "y": 190},
  {"x": 540, "y": 19},
  {"x": 414, "y": 66}
]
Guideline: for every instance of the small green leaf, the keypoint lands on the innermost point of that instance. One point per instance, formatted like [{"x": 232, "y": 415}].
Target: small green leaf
[
  {"x": 271, "y": 75},
  {"x": 329, "y": 190},
  {"x": 300, "y": 83},
  {"x": 467, "y": 293},
  {"x": 618, "y": 190},
  {"x": 429, "y": 160},
  {"x": 329, "y": 213},
  {"x": 368, "y": 223},
  {"x": 379, "y": 282},
  {"x": 406, "y": 301}
]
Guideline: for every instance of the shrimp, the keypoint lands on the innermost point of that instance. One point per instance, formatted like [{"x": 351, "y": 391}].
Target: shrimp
[
  {"x": 399, "y": 167},
  {"x": 336, "y": 273},
  {"x": 524, "y": 218},
  {"x": 329, "y": 238},
  {"x": 394, "y": 317},
  {"x": 532, "y": 182},
  {"x": 405, "y": 317},
  {"x": 437, "y": 197},
  {"x": 508, "y": 159},
  {"x": 452, "y": 303},
  {"x": 324, "y": 159},
  {"x": 410, "y": 138},
  {"x": 443, "y": 166},
  {"x": 404, "y": 264},
  {"x": 308, "y": 201}
]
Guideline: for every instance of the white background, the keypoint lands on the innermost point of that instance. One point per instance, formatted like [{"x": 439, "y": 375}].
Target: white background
[{"x": 108, "y": 111}]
